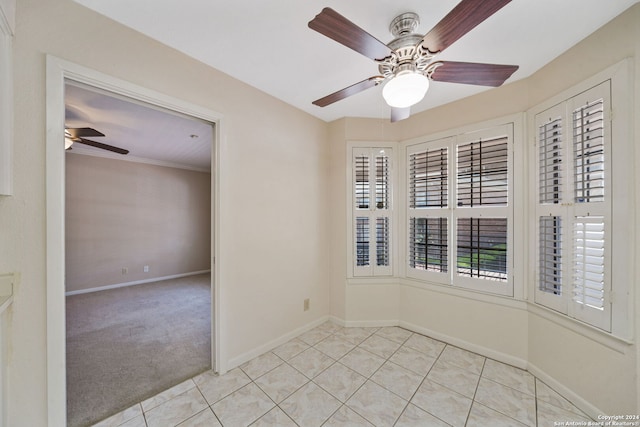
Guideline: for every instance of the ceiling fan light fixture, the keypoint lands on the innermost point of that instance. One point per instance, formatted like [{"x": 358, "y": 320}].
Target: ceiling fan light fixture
[{"x": 405, "y": 89}]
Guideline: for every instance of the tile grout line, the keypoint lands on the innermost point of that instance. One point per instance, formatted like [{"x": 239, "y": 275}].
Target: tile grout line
[
  {"x": 473, "y": 399},
  {"x": 335, "y": 333}
]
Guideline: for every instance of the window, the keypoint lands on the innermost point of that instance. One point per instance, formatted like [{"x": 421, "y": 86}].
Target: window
[
  {"x": 574, "y": 207},
  {"x": 372, "y": 210},
  {"x": 464, "y": 243}
]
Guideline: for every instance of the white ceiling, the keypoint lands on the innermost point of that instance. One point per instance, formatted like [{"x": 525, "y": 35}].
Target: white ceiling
[
  {"x": 267, "y": 44},
  {"x": 151, "y": 134}
]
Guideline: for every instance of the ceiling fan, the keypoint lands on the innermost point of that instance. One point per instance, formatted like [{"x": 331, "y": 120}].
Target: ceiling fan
[
  {"x": 73, "y": 135},
  {"x": 408, "y": 62}
]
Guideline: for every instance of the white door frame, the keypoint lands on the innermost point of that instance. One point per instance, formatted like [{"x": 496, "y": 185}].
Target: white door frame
[{"x": 58, "y": 71}]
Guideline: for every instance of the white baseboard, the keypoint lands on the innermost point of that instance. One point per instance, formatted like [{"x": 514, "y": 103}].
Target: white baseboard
[
  {"x": 245, "y": 357},
  {"x": 135, "y": 282},
  {"x": 566, "y": 392},
  {"x": 371, "y": 323},
  {"x": 475, "y": 348}
]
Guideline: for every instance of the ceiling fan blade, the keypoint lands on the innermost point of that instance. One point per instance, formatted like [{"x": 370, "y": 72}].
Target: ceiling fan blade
[
  {"x": 348, "y": 91},
  {"x": 83, "y": 132},
  {"x": 398, "y": 114},
  {"x": 473, "y": 73},
  {"x": 335, "y": 26},
  {"x": 101, "y": 145},
  {"x": 462, "y": 19}
]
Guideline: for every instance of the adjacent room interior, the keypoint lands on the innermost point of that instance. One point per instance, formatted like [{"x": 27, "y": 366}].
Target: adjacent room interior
[{"x": 137, "y": 251}]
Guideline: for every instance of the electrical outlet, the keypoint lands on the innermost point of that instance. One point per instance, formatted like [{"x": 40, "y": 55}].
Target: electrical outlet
[
  {"x": 306, "y": 304},
  {"x": 146, "y": 269},
  {"x": 125, "y": 270}
]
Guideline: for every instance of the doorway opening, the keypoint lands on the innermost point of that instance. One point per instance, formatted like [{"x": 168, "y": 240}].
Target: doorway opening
[
  {"x": 63, "y": 77},
  {"x": 137, "y": 251}
]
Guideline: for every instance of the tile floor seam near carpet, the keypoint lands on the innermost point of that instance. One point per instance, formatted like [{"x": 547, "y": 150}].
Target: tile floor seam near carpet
[{"x": 424, "y": 377}]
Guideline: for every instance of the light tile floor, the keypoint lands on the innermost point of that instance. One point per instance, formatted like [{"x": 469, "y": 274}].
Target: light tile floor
[{"x": 335, "y": 376}]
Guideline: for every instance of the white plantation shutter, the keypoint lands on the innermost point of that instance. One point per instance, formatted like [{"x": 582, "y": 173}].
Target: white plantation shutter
[
  {"x": 551, "y": 209},
  {"x": 588, "y": 148},
  {"x": 574, "y": 206},
  {"x": 428, "y": 213},
  {"x": 428, "y": 244},
  {"x": 382, "y": 242},
  {"x": 372, "y": 202},
  {"x": 482, "y": 215},
  {"x": 550, "y": 255},
  {"x": 362, "y": 242},
  {"x": 428, "y": 178},
  {"x": 482, "y": 248},
  {"x": 550, "y": 161},
  {"x": 589, "y": 296},
  {"x": 588, "y": 262},
  {"x": 482, "y": 173},
  {"x": 383, "y": 196},
  {"x": 361, "y": 170}
]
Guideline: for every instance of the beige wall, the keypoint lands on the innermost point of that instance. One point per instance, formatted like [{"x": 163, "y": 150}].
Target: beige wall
[
  {"x": 272, "y": 189},
  {"x": 122, "y": 214}
]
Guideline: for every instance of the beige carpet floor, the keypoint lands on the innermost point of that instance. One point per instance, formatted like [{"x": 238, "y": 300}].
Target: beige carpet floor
[{"x": 127, "y": 344}]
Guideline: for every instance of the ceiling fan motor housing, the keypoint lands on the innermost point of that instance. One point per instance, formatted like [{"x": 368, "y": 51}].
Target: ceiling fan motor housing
[
  {"x": 406, "y": 23},
  {"x": 408, "y": 53}
]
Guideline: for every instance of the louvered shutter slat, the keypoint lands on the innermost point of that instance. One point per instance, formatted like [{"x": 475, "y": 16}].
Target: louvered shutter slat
[
  {"x": 550, "y": 255},
  {"x": 482, "y": 248},
  {"x": 588, "y": 150},
  {"x": 362, "y": 182},
  {"x": 382, "y": 241},
  {"x": 428, "y": 244},
  {"x": 588, "y": 266},
  {"x": 362, "y": 241},
  {"x": 428, "y": 179},
  {"x": 482, "y": 173},
  {"x": 550, "y": 161}
]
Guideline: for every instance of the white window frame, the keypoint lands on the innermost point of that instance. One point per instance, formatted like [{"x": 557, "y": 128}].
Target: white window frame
[
  {"x": 451, "y": 278},
  {"x": 615, "y": 83},
  {"x": 372, "y": 270}
]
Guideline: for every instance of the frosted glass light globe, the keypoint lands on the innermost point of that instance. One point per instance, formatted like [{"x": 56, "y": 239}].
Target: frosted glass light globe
[{"x": 405, "y": 89}]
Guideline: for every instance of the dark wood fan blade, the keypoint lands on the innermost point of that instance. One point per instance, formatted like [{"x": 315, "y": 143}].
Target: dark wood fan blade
[
  {"x": 462, "y": 19},
  {"x": 101, "y": 145},
  {"x": 398, "y": 114},
  {"x": 335, "y": 26},
  {"x": 473, "y": 73},
  {"x": 83, "y": 132},
  {"x": 348, "y": 91}
]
